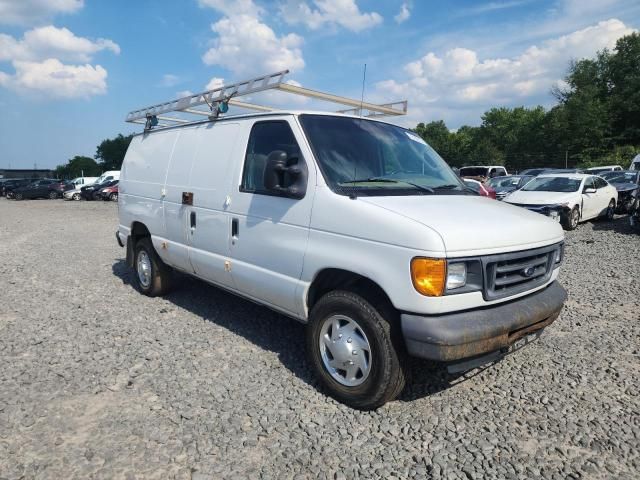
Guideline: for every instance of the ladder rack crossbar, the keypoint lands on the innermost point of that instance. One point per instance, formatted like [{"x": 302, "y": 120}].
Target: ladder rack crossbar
[{"x": 216, "y": 98}]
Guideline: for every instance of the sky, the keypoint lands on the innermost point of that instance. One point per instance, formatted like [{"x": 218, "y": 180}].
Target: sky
[{"x": 70, "y": 70}]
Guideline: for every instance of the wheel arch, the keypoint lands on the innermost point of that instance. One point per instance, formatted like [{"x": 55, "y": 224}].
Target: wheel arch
[
  {"x": 329, "y": 279},
  {"x": 138, "y": 230}
]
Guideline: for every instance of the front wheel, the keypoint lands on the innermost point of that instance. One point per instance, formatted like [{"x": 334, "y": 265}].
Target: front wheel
[
  {"x": 153, "y": 276},
  {"x": 76, "y": 197},
  {"x": 17, "y": 196},
  {"x": 113, "y": 197},
  {"x": 571, "y": 222},
  {"x": 355, "y": 350},
  {"x": 53, "y": 195},
  {"x": 610, "y": 210}
]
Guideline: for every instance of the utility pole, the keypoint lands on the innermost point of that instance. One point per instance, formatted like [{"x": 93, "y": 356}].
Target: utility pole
[{"x": 566, "y": 159}]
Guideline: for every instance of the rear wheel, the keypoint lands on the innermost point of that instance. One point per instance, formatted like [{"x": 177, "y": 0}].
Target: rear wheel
[
  {"x": 53, "y": 195},
  {"x": 18, "y": 196},
  {"x": 153, "y": 276},
  {"x": 113, "y": 197},
  {"x": 356, "y": 350},
  {"x": 76, "y": 196},
  {"x": 571, "y": 222}
]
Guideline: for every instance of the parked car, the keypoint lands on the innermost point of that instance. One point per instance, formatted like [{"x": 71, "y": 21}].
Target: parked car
[
  {"x": 578, "y": 197},
  {"x": 8, "y": 185},
  {"x": 92, "y": 192},
  {"x": 75, "y": 194},
  {"x": 43, "y": 188},
  {"x": 483, "y": 173},
  {"x": 62, "y": 187},
  {"x": 481, "y": 189},
  {"x": 110, "y": 193},
  {"x": 603, "y": 169},
  {"x": 635, "y": 163},
  {"x": 534, "y": 172},
  {"x": 505, "y": 185},
  {"x": 626, "y": 182},
  {"x": 377, "y": 265}
]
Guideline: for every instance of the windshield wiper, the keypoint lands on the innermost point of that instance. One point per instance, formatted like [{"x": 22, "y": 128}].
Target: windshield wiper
[
  {"x": 390, "y": 180},
  {"x": 447, "y": 187}
]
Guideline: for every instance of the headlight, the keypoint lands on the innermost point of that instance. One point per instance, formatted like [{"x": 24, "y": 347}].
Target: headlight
[
  {"x": 554, "y": 215},
  {"x": 559, "y": 254},
  {"x": 456, "y": 275},
  {"x": 429, "y": 275}
]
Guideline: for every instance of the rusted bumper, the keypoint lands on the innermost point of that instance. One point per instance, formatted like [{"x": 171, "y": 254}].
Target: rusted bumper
[{"x": 454, "y": 336}]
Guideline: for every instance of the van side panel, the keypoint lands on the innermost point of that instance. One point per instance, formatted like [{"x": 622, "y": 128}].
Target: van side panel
[
  {"x": 143, "y": 175},
  {"x": 175, "y": 213},
  {"x": 210, "y": 180}
]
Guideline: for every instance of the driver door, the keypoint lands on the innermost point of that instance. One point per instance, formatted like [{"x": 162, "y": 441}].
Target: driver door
[{"x": 589, "y": 200}]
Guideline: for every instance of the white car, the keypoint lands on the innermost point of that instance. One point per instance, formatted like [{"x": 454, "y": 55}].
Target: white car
[
  {"x": 353, "y": 226},
  {"x": 568, "y": 197}
]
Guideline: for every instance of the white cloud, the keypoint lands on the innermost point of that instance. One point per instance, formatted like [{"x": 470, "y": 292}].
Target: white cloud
[
  {"x": 38, "y": 59},
  {"x": 404, "y": 14},
  {"x": 246, "y": 46},
  {"x": 215, "y": 82},
  {"x": 52, "y": 78},
  {"x": 184, "y": 93},
  {"x": 343, "y": 13},
  {"x": 52, "y": 42},
  {"x": 169, "y": 80},
  {"x": 27, "y": 12},
  {"x": 232, "y": 7},
  {"x": 459, "y": 87}
]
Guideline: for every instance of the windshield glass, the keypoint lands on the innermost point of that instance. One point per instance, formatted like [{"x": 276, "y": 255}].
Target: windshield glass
[
  {"x": 504, "y": 182},
  {"x": 552, "y": 184},
  {"x": 474, "y": 172},
  {"x": 364, "y": 157},
  {"x": 619, "y": 177}
]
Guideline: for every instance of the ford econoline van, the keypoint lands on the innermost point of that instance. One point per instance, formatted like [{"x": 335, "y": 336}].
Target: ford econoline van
[{"x": 353, "y": 226}]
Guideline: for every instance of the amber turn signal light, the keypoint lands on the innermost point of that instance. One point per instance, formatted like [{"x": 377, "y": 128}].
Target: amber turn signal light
[{"x": 429, "y": 275}]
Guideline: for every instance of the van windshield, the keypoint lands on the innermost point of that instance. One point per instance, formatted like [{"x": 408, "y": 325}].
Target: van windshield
[{"x": 364, "y": 157}]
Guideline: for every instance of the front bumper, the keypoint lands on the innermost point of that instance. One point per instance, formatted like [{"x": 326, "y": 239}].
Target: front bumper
[{"x": 458, "y": 335}]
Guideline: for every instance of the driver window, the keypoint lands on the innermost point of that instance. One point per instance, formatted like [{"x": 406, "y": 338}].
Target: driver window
[
  {"x": 267, "y": 137},
  {"x": 600, "y": 183},
  {"x": 588, "y": 184}
]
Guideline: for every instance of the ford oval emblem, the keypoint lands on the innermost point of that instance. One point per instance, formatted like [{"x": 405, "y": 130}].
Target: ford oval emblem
[{"x": 529, "y": 271}]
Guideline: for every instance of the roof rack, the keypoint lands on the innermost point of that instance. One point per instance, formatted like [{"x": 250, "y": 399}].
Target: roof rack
[{"x": 218, "y": 100}]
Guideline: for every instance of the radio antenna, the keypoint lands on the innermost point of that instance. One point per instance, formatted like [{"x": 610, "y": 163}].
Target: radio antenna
[{"x": 364, "y": 77}]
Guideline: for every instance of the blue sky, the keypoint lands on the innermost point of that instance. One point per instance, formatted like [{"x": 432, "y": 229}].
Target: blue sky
[{"x": 70, "y": 70}]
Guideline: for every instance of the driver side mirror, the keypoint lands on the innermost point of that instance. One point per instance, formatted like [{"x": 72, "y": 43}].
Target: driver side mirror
[
  {"x": 285, "y": 176},
  {"x": 589, "y": 190}
]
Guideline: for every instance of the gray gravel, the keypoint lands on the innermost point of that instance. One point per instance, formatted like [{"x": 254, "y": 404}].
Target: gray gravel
[{"x": 98, "y": 381}]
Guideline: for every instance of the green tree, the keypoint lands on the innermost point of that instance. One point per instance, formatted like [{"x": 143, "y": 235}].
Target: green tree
[
  {"x": 78, "y": 166},
  {"x": 111, "y": 151}
]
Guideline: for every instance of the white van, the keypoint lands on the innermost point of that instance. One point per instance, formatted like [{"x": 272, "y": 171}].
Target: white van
[
  {"x": 353, "y": 226},
  {"x": 107, "y": 176},
  {"x": 635, "y": 163},
  {"x": 80, "y": 182}
]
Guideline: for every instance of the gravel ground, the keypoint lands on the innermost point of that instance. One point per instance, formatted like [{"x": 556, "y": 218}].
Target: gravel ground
[{"x": 98, "y": 381}]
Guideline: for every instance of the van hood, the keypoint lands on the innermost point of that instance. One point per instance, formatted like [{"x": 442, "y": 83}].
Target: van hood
[
  {"x": 474, "y": 225},
  {"x": 540, "y": 198}
]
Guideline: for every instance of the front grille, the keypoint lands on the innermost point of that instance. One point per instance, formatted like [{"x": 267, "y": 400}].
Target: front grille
[{"x": 517, "y": 272}]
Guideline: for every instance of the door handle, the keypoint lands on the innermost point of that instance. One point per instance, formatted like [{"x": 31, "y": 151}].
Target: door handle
[
  {"x": 192, "y": 218},
  {"x": 234, "y": 229}
]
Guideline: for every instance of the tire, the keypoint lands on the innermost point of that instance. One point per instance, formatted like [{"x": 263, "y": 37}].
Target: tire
[
  {"x": 152, "y": 275},
  {"x": 53, "y": 195},
  {"x": 18, "y": 196},
  {"x": 375, "y": 377},
  {"x": 571, "y": 222},
  {"x": 113, "y": 197},
  {"x": 611, "y": 210},
  {"x": 76, "y": 196}
]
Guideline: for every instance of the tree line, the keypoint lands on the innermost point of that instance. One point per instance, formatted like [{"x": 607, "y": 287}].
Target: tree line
[
  {"x": 596, "y": 120},
  {"x": 109, "y": 156}
]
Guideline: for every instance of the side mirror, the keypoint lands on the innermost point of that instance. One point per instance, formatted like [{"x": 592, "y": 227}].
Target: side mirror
[
  {"x": 285, "y": 175},
  {"x": 589, "y": 190}
]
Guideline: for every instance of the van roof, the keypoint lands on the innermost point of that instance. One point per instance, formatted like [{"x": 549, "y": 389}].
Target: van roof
[{"x": 273, "y": 113}]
